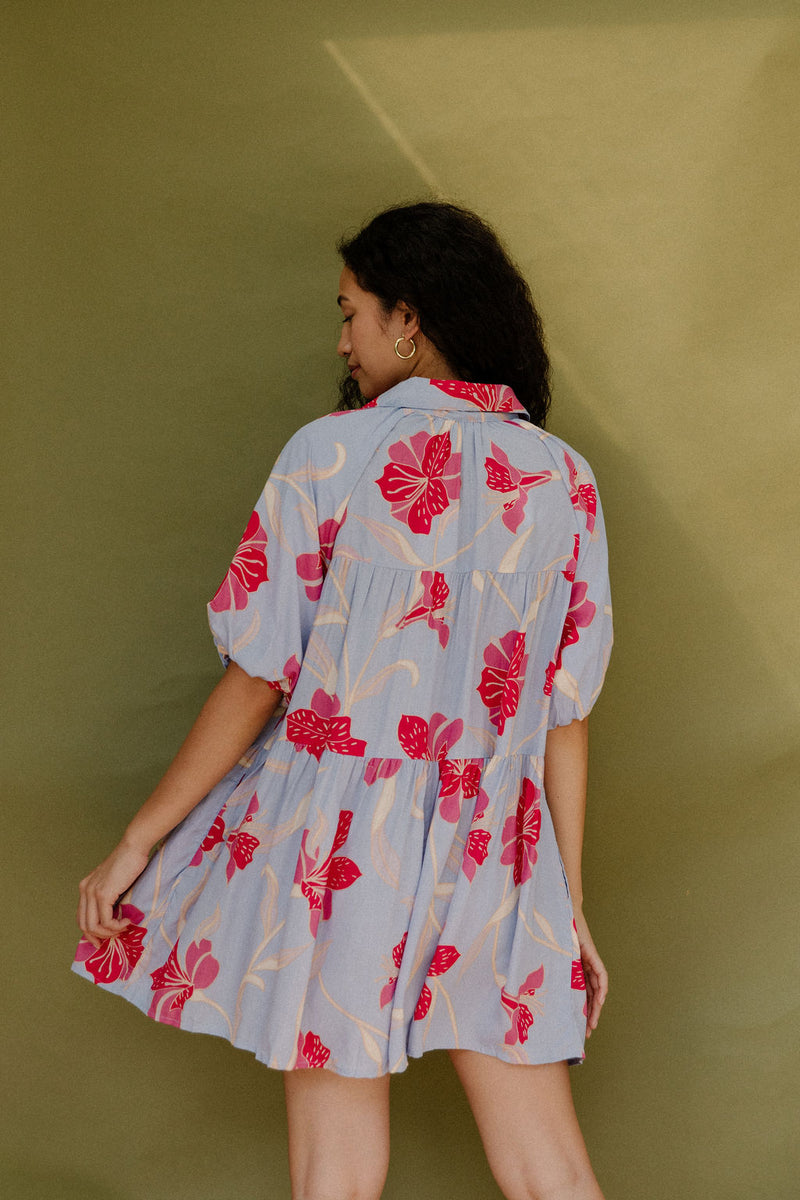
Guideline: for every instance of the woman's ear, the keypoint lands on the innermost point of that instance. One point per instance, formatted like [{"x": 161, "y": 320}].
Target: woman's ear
[{"x": 409, "y": 319}]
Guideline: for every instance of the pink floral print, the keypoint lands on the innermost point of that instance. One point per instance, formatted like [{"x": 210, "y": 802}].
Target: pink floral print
[
  {"x": 521, "y": 833},
  {"x": 582, "y": 492},
  {"x": 521, "y": 1013},
  {"x": 320, "y": 728},
  {"x": 247, "y": 571},
  {"x": 174, "y": 983},
  {"x": 115, "y": 957},
  {"x": 421, "y": 479},
  {"x": 475, "y": 851},
  {"x": 430, "y": 606},
  {"x": 310, "y": 1051},
  {"x": 213, "y": 838},
  {"x": 291, "y": 672},
  {"x": 428, "y": 739},
  {"x": 572, "y": 565},
  {"x": 579, "y": 615},
  {"x": 501, "y": 476},
  {"x": 318, "y": 881},
  {"x": 312, "y": 568},
  {"x": 242, "y": 844},
  {"x": 491, "y": 397},
  {"x": 578, "y": 979},
  {"x": 381, "y": 768},
  {"x": 459, "y": 779},
  {"x": 444, "y": 958},
  {"x": 502, "y": 677},
  {"x": 388, "y": 989}
]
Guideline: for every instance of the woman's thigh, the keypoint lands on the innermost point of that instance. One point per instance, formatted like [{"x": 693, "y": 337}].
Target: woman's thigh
[
  {"x": 528, "y": 1126},
  {"x": 338, "y": 1135}
]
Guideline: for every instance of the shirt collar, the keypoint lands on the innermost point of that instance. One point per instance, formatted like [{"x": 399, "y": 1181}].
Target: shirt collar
[{"x": 418, "y": 392}]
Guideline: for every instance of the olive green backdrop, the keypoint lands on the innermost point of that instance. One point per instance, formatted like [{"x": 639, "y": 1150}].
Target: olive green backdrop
[{"x": 178, "y": 174}]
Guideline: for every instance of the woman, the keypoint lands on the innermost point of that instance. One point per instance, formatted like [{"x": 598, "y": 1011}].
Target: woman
[{"x": 363, "y": 864}]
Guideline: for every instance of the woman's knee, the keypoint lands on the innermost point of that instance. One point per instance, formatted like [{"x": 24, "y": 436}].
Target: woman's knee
[
  {"x": 325, "y": 1188},
  {"x": 343, "y": 1175},
  {"x": 572, "y": 1182}
]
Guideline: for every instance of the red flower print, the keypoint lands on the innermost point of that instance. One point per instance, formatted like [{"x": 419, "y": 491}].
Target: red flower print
[
  {"x": 459, "y": 779},
  {"x": 502, "y": 477},
  {"x": 421, "y": 479},
  {"x": 319, "y": 728},
  {"x": 388, "y": 989},
  {"x": 521, "y": 1015},
  {"x": 340, "y": 411},
  {"x": 318, "y": 882},
  {"x": 173, "y": 984},
  {"x": 580, "y": 614},
  {"x": 115, "y": 957},
  {"x": 582, "y": 492},
  {"x": 434, "y": 597},
  {"x": 310, "y": 1051},
  {"x": 492, "y": 397},
  {"x": 502, "y": 677},
  {"x": 572, "y": 565},
  {"x": 399, "y": 951},
  {"x": 430, "y": 740},
  {"x": 291, "y": 672},
  {"x": 312, "y": 568},
  {"x": 242, "y": 844},
  {"x": 381, "y": 768},
  {"x": 442, "y": 961},
  {"x": 475, "y": 851},
  {"x": 213, "y": 838},
  {"x": 578, "y": 981},
  {"x": 247, "y": 571},
  {"x": 521, "y": 833}
]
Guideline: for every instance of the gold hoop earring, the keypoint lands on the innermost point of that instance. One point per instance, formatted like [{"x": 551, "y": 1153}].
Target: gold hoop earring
[{"x": 413, "y": 347}]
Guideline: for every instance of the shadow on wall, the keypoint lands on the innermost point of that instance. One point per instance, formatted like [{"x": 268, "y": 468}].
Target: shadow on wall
[{"x": 689, "y": 842}]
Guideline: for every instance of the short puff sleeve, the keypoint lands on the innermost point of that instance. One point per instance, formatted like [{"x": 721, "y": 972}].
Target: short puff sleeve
[
  {"x": 261, "y": 615},
  {"x": 575, "y": 677}
]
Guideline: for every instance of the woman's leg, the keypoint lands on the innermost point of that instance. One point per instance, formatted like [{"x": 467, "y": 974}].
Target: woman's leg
[
  {"x": 529, "y": 1129},
  {"x": 338, "y": 1135}
]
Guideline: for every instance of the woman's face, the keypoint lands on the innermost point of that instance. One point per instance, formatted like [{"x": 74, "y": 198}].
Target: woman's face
[{"x": 368, "y": 338}]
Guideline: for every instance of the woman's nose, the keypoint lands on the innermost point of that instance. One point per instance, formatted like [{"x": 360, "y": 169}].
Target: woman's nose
[{"x": 343, "y": 348}]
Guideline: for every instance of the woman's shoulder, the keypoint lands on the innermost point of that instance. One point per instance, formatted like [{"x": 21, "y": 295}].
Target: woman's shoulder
[
  {"x": 328, "y": 442},
  {"x": 571, "y": 463}
]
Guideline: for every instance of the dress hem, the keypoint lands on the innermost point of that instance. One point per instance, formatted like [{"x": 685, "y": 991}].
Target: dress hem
[{"x": 398, "y": 1068}]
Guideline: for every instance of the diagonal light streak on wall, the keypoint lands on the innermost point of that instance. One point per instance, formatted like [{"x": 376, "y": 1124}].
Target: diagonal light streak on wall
[{"x": 397, "y": 136}]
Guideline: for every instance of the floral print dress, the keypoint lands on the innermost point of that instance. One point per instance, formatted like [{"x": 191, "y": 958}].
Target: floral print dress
[{"x": 425, "y": 581}]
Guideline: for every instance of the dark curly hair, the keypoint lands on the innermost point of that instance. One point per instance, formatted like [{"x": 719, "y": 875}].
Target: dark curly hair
[{"x": 473, "y": 304}]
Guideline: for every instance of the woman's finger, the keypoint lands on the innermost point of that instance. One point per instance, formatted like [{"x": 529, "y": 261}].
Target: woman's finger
[
  {"x": 90, "y": 920},
  {"x": 105, "y": 915},
  {"x": 81, "y": 918},
  {"x": 599, "y": 991},
  {"x": 104, "y": 924},
  {"x": 596, "y": 983}
]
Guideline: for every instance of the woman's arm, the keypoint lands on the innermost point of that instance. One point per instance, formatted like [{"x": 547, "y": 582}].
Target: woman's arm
[
  {"x": 565, "y": 772},
  {"x": 231, "y": 718}
]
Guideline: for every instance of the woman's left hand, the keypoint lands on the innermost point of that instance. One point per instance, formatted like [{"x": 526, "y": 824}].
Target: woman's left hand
[
  {"x": 101, "y": 889},
  {"x": 594, "y": 972}
]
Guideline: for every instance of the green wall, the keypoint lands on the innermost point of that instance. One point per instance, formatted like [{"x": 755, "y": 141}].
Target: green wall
[{"x": 178, "y": 174}]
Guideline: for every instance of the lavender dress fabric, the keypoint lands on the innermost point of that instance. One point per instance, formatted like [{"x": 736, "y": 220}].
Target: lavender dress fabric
[{"x": 425, "y": 580}]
